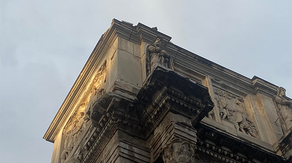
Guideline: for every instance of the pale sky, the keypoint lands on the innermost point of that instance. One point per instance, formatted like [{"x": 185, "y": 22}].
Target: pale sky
[{"x": 45, "y": 44}]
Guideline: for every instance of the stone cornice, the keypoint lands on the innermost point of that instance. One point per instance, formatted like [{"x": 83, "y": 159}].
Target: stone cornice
[
  {"x": 215, "y": 143},
  {"x": 149, "y": 34},
  {"x": 263, "y": 87},
  {"x": 204, "y": 66},
  {"x": 166, "y": 91}
]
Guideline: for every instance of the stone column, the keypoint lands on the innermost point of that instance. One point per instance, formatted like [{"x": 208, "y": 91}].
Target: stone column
[{"x": 173, "y": 140}]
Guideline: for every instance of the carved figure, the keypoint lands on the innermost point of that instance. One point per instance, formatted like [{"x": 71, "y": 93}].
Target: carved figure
[
  {"x": 246, "y": 126},
  {"x": 241, "y": 120},
  {"x": 178, "y": 152},
  {"x": 223, "y": 111},
  {"x": 284, "y": 109},
  {"x": 100, "y": 76},
  {"x": 64, "y": 155},
  {"x": 72, "y": 130},
  {"x": 95, "y": 94},
  {"x": 157, "y": 56},
  {"x": 232, "y": 108},
  {"x": 73, "y": 159},
  {"x": 90, "y": 112},
  {"x": 211, "y": 114},
  {"x": 79, "y": 120},
  {"x": 222, "y": 104},
  {"x": 236, "y": 112}
]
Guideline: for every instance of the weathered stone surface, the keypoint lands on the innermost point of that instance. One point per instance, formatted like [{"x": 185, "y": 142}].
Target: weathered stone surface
[
  {"x": 285, "y": 145},
  {"x": 284, "y": 109},
  {"x": 141, "y": 98}
]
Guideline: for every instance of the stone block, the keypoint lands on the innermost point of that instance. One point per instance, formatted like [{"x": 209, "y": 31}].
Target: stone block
[{"x": 129, "y": 68}]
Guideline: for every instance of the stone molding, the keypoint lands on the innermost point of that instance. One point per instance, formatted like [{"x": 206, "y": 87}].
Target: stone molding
[
  {"x": 226, "y": 148},
  {"x": 166, "y": 91},
  {"x": 263, "y": 87}
]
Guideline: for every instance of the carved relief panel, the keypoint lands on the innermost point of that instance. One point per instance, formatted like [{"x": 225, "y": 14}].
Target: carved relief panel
[
  {"x": 178, "y": 151},
  {"x": 96, "y": 89},
  {"x": 232, "y": 109},
  {"x": 78, "y": 123},
  {"x": 72, "y": 131}
]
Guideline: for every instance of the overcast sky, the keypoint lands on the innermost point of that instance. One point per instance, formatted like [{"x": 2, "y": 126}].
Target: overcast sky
[{"x": 45, "y": 44}]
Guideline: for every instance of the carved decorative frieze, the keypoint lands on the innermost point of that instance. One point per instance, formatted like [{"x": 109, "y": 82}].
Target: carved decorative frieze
[
  {"x": 79, "y": 121},
  {"x": 95, "y": 113},
  {"x": 100, "y": 76},
  {"x": 284, "y": 109},
  {"x": 72, "y": 131},
  {"x": 232, "y": 108},
  {"x": 157, "y": 56},
  {"x": 94, "y": 90}
]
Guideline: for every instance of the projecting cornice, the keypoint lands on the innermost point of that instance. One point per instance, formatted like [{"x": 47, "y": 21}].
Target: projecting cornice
[
  {"x": 213, "y": 143},
  {"x": 263, "y": 87}
]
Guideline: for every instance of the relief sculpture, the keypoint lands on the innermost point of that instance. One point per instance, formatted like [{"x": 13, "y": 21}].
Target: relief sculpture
[
  {"x": 72, "y": 131},
  {"x": 211, "y": 114},
  {"x": 157, "y": 56},
  {"x": 95, "y": 90},
  {"x": 232, "y": 108},
  {"x": 178, "y": 152},
  {"x": 284, "y": 109},
  {"x": 78, "y": 122}
]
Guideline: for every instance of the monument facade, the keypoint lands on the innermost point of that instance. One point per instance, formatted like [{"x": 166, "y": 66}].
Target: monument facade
[{"x": 142, "y": 99}]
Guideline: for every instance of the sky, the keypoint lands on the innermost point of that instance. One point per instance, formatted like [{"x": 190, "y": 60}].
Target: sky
[{"x": 45, "y": 44}]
